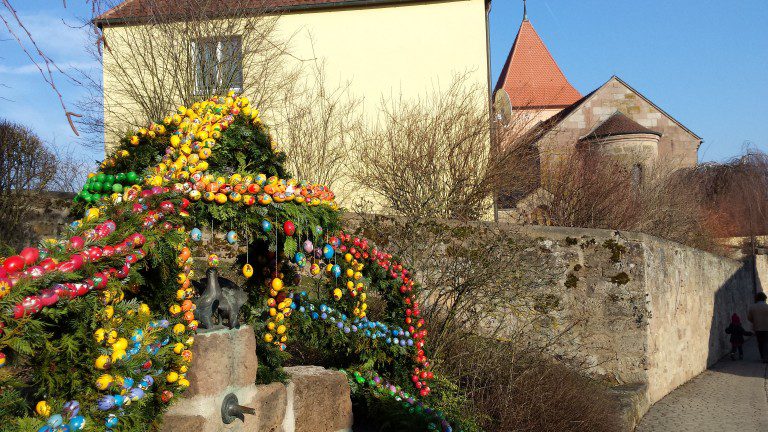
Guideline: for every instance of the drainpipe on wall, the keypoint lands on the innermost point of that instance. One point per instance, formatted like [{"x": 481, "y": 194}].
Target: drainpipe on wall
[{"x": 490, "y": 95}]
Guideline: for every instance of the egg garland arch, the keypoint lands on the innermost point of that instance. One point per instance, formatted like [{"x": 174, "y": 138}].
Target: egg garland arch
[{"x": 142, "y": 211}]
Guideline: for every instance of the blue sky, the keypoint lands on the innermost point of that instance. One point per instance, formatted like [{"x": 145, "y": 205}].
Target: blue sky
[{"x": 703, "y": 61}]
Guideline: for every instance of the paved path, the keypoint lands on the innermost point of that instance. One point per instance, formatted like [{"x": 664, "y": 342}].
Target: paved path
[{"x": 732, "y": 396}]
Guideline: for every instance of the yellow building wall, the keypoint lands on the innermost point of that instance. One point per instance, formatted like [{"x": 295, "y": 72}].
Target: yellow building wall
[{"x": 390, "y": 51}]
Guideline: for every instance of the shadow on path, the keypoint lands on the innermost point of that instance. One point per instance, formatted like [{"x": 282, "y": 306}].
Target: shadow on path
[{"x": 730, "y": 396}]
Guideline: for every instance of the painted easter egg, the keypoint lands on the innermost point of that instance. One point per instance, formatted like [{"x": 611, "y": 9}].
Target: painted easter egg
[
  {"x": 266, "y": 226},
  {"x": 328, "y": 251},
  {"x": 232, "y": 237},
  {"x": 213, "y": 260},
  {"x": 289, "y": 228},
  {"x": 247, "y": 270},
  {"x": 195, "y": 234},
  {"x": 308, "y": 246}
]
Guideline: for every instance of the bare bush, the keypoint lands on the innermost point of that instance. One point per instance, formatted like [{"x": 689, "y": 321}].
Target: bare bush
[
  {"x": 181, "y": 53},
  {"x": 513, "y": 389},
  {"x": 734, "y": 195},
  {"x": 588, "y": 189},
  {"x": 430, "y": 156},
  {"x": 26, "y": 166},
  {"x": 316, "y": 124}
]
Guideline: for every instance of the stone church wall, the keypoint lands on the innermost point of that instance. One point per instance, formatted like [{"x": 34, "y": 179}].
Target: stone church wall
[{"x": 675, "y": 145}]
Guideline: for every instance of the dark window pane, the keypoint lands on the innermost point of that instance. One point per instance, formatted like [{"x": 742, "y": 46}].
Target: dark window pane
[{"x": 231, "y": 63}]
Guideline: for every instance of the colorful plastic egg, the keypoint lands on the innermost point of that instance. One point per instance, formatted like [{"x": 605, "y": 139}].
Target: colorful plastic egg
[
  {"x": 247, "y": 270},
  {"x": 289, "y": 228},
  {"x": 266, "y": 226},
  {"x": 328, "y": 251}
]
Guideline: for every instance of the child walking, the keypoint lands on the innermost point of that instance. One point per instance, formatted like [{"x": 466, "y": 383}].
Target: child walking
[{"x": 737, "y": 333}]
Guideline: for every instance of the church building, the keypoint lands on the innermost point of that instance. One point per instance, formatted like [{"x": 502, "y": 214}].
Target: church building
[{"x": 534, "y": 99}]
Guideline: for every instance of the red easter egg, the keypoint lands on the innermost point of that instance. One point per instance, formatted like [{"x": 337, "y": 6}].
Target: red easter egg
[
  {"x": 77, "y": 260},
  {"x": 35, "y": 271},
  {"x": 67, "y": 267},
  {"x": 289, "y": 228},
  {"x": 76, "y": 243},
  {"x": 30, "y": 255},
  {"x": 108, "y": 251},
  {"x": 3, "y": 273},
  {"x": 166, "y": 207},
  {"x": 48, "y": 297},
  {"x": 13, "y": 264},
  {"x": 48, "y": 264}
]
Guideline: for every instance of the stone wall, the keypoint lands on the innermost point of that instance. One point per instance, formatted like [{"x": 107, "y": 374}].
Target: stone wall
[{"x": 650, "y": 313}]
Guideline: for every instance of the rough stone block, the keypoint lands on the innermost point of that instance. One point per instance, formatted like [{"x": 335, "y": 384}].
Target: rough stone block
[
  {"x": 270, "y": 402},
  {"x": 321, "y": 401},
  {"x": 222, "y": 358},
  {"x": 173, "y": 423}
]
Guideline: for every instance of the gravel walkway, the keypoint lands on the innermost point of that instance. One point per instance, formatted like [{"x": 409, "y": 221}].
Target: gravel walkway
[{"x": 732, "y": 396}]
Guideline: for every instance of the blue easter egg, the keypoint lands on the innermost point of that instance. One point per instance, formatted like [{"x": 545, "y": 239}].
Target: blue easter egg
[
  {"x": 266, "y": 226},
  {"x": 105, "y": 403},
  {"x": 77, "y": 423},
  {"x": 328, "y": 251},
  {"x": 336, "y": 270},
  {"x": 45, "y": 428},
  {"x": 196, "y": 234},
  {"x": 127, "y": 383},
  {"x": 232, "y": 237},
  {"x": 55, "y": 420},
  {"x": 300, "y": 259},
  {"x": 111, "y": 421}
]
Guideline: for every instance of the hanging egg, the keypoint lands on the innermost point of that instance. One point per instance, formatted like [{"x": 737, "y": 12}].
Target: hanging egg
[
  {"x": 328, "y": 251},
  {"x": 308, "y": 246},
  {"x": 318, "y": 230},
  {"x": 300, "y": 259},
  {"x": 266, "y": 226},
  {"x": 289, "y": 228},
  {"x": 2, "y": 360},
  {"x": 314, "y": 269},
  {"x": 336, "y": 270},
  {"x": 232, "y": 237},
  {"x": 247, "y": 270},
  {"x": 77, "y": 423},
  {"x": 213, "y": 260},
  {"x": 195, "y": 234},
  {"x": 111, "y": 421}
]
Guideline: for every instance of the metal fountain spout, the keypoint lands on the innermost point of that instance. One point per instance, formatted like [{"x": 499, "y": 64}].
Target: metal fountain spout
[{"x": 232, "y": 410}]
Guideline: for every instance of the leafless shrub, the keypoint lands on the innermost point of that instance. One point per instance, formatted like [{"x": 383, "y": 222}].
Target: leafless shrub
[
  {"x": 26, "y": 166},
  {"x": 588, "y": 189},
  {"x": 180, "y": 53},
  {"x": 734, "y": 195},
  {"x": 430, "y": 156},
  {"x": 513, "y": 389},
  {"x": 315, "y": 124}
]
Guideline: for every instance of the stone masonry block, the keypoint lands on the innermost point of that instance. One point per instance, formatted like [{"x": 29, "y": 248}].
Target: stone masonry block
[
  {"x": 270, "y": 402},
  {"x": 222, "y": 358},
  {"x": 321, "y": 401}
]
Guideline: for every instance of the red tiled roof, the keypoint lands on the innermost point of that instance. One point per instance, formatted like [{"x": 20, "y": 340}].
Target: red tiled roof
[
  {"x": 619, "y": 124},
  {"x": 531, "y": 76},
  {"x": 132, "y": 11}
]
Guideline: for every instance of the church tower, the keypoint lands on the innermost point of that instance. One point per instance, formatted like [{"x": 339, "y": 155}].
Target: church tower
[{"x": 531, "y": 87}]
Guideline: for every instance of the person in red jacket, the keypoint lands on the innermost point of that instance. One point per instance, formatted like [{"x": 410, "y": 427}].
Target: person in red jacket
[{"x": 737, "y": 333}]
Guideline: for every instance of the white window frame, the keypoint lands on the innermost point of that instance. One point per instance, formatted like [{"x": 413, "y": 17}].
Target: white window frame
[{"x": 219, "y": 53}]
